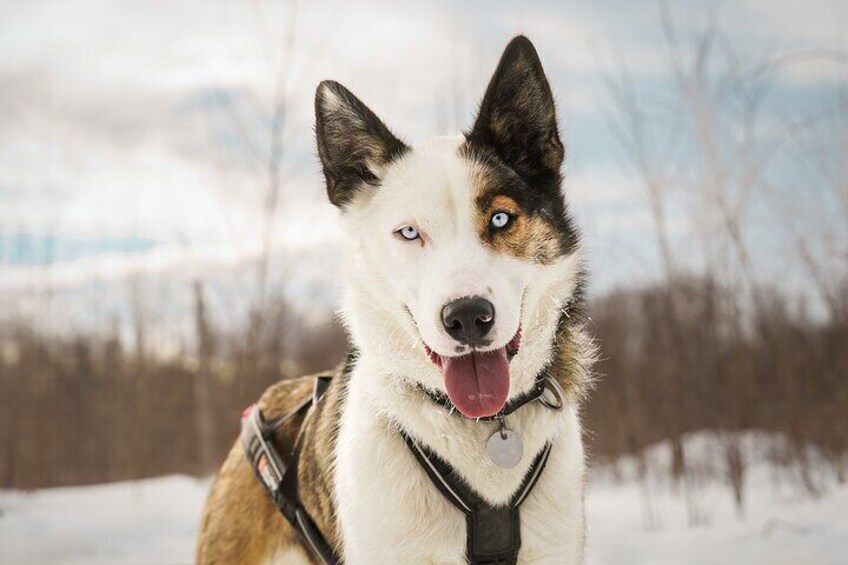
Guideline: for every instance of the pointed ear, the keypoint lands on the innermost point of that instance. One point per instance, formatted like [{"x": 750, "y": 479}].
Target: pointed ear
[
  {"x": 354, "y": 145},
  {"x": 517, "y": 117}
]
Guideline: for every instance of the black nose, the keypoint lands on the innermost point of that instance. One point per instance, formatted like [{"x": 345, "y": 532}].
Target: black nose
[{"x": 469, "y": 320}]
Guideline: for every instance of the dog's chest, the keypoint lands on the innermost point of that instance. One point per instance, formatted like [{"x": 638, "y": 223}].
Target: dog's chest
[{"x": 389, "y": 510}]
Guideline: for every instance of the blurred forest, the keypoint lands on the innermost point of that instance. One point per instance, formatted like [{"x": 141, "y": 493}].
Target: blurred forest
[
  {"x": 86, "y": 410},
  {"x": 709, "y": 344}
]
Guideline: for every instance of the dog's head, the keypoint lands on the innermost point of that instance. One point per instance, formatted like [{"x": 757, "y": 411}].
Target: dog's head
[{"x": 462, "y": 247}]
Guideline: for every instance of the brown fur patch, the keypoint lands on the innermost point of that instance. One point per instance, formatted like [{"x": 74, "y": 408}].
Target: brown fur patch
[
  {"x": 574, "y": 352},
  {"x": 317, "y": 460},
  {"x": 515, "y": 153},
  {"x": 528, "y": 235}
]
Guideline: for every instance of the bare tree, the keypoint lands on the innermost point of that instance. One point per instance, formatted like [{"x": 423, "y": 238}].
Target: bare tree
[
  {"x": 202, "y": 383},
  {"x": 704, "y": 150}
]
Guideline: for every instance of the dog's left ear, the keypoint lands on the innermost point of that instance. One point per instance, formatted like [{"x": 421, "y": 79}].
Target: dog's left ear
[
  {"x": 517, "y": 117},
  {"x": 354, "y": 145}
]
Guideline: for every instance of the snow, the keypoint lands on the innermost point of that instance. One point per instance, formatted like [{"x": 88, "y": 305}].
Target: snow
[
  {"x": 151, "y": 521},
  {"x": 630, "y": 521},
  {"x": 648, "y": 523}
]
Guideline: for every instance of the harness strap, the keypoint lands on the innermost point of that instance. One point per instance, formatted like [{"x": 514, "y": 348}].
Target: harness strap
[
  {"x": 493, "y": 532},
  {"x": 279, "y": 479}
]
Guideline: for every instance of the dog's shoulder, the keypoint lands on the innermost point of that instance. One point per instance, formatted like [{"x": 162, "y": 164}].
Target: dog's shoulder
[
  {"x": 240, "y": 523},
  {"x": 317, "y": 465},
  {"x": 283, "y": 396}
]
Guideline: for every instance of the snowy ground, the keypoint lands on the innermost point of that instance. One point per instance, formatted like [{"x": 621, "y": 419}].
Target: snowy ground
[
  {"x": 647, "y": 523},
  {"x": 145, "y": 522},
  {"x": 154, "y": 521}
]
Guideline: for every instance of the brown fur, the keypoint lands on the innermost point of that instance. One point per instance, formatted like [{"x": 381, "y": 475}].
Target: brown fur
[
  {"x": 528, "y": 236},
  {"x": 573, "y": 352},
  {"x": 240, "y": 523}
]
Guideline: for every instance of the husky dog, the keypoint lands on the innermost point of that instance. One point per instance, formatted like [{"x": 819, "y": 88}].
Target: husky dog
[{"x": 464, "y": 280}]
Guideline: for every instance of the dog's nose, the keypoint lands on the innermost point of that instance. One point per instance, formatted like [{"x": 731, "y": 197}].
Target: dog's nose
[{"x": 468, "y": 320}]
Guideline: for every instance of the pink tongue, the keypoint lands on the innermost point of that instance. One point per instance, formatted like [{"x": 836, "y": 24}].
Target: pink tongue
[{"x": 478, "y": 383}]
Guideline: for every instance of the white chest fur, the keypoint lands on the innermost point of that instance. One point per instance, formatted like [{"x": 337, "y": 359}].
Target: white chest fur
[{"x": 389, "y": 510}]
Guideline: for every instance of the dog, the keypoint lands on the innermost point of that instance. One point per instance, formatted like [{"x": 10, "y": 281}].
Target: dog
[{"x": 463, "y": 283}]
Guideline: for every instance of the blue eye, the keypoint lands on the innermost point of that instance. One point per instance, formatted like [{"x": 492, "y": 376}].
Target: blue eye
[
  {"x": 409, "y": 233},
  {"x": 500, "y": 220}
]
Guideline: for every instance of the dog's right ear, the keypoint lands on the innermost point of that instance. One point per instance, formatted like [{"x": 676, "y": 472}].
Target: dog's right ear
[{"x": 354, "y": 145}]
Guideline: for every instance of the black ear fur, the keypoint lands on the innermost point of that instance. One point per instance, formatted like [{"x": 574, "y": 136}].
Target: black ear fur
[
  {"x": 354, "y": 145},
  {"x": 517, "y": 117}
]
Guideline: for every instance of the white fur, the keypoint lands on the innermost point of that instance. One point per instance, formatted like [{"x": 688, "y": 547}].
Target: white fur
[{"x": 388, "y": 509}]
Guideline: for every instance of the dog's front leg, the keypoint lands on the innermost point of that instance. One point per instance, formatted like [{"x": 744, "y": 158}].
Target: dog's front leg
[
  {"x": 553, "y": 516},
  {"x": 388, "y": 510}
]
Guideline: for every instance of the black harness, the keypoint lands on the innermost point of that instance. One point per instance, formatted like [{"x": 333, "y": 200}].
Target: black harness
[
  {"x": 493, "y": 532},
  {"x": 279, "y": 479}
]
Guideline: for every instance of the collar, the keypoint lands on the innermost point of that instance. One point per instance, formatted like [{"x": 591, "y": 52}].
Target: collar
[{"x": 544, "y": 383}]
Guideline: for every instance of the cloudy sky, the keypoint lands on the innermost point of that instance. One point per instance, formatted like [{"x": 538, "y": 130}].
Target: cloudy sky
[{"x": 134, "y": 135}]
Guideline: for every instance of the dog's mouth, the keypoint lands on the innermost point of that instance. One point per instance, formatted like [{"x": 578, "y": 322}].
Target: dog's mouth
[{"x": 478, "y": 382}]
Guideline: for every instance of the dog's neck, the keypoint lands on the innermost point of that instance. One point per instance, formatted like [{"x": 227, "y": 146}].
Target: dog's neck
[
  {"x": 397, "y": 402},
  {"x": 392, "y": 365}
]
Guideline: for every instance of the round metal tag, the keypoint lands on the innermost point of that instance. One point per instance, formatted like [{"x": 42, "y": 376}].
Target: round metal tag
[{"x": 505, "y": 448}]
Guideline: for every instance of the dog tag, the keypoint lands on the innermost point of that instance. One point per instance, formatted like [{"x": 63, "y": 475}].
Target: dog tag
[{"x": 505, "y": 448}]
